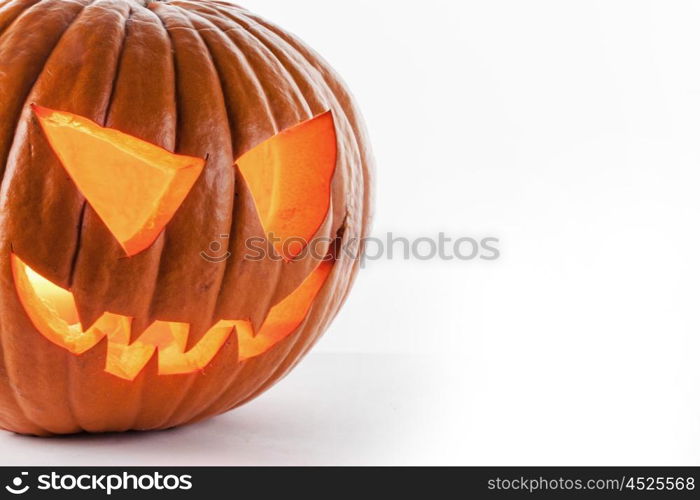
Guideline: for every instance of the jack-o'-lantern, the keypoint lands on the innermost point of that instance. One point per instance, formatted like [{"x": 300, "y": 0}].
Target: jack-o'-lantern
[{"x": 178, "y": 181}]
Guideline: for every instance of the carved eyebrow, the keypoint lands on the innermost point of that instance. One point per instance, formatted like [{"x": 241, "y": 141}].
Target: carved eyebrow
[
  {"x": 134, "y": 186},
  {"x": 289, "y": 176}
]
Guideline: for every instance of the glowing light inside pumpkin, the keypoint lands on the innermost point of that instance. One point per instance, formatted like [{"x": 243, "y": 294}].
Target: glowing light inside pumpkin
[
  {"x": 290, "y": 178},
  {"x": 53, "y": 312},
  {"x": 134, "y": 186}
]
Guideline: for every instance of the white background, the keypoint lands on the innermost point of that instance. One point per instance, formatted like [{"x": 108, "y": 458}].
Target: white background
[{"x": 570, "y": 131}]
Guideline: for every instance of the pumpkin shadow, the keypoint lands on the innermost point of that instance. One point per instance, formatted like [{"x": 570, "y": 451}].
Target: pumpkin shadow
[
  {"x": 176, "y": 446},
  {"x": 339, "y": 409}
]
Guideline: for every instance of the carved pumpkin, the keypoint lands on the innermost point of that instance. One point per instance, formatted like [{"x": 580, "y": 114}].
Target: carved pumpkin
[{"x": 135, "y": 137}]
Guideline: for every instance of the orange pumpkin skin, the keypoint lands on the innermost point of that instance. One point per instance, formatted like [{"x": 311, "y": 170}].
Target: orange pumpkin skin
[{"x": 196, "y": 77}]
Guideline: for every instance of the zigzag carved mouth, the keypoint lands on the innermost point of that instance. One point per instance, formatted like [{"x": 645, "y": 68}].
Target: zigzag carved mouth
[{"x": 53, "y": 312}]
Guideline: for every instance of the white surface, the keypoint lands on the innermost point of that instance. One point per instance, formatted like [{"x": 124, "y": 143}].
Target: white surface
[
  {"x": 381, "y": 409},
  {"x": 336, "y": 409},
  {"x": 571, "y": 131}
]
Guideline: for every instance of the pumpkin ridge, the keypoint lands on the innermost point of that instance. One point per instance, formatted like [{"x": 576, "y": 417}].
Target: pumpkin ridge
[
  {"x": 212, "y": 314},
  {"x": 83, "y": 211},
  {"x": 307, "y": 114},
  {"x": 282, "y": 363},
  {"x": 254, "y": 77},
  {"x": 182, "y": 397},
  {"x": 236, "y": 214},
  {"x": 210, "y": 321},
  {"x": 208, "y": 11},
  {"x": 278, "y": 129},
  {"x": 3, "y": 190},
  {"x": 176, "y": 90},
  {"x": 235, "y": 374},
  {"x": 4, "y": 156},
  {"x": 6, "y": 24},
  {"x": 158, "y": 267},
  {"x": 259, "y": 30},
  {"x": 277, "y": 270},
  {"x": 118, "y": 69},
  {"x": 355, "y": 122},
  {"x": 248, "y": 66},
  {"x": 334, "y": 83},
  {"x": 287, "y": 363},
  {"x": 174, "y": 18},
  {"x": 73, "y": 371},
  {"x": 79, "y": 233}
]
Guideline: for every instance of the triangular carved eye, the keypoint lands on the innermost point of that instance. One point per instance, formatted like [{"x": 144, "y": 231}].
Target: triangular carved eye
[
  {"x": 135, "y": 187},
  {"x": 289, "y": 176}
]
